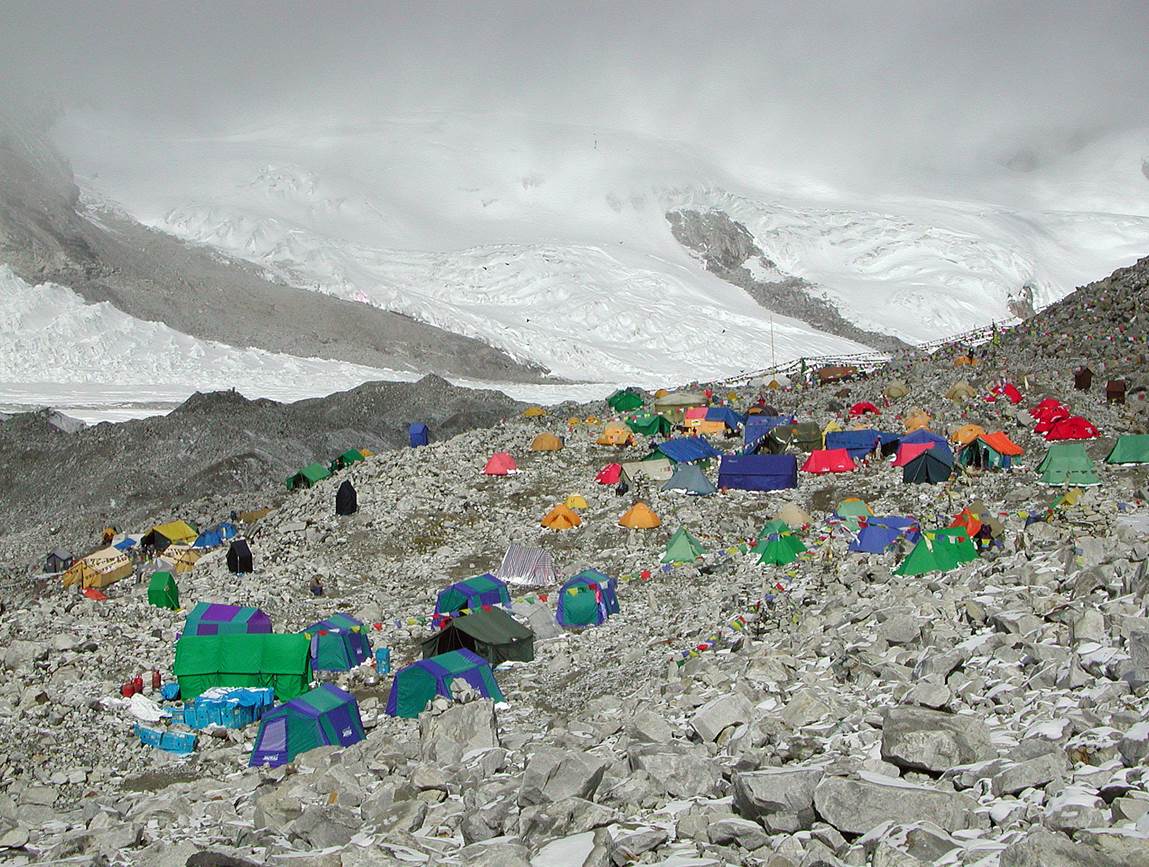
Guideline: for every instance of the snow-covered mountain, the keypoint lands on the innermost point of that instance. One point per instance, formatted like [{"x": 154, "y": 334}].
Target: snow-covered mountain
[{"x": 551, "y": 242}]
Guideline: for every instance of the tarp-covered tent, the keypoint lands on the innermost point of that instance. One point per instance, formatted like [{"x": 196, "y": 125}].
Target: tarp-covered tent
[
  {"x": 858, "y": 443},
  {"x": 561, "y": 517},
  {"x": 99, "y": 569},
  {"x": 758, "y": 472},
  {"x": 472, "y": 594},
  {"x": 587, "y": 599},
  {"x": 1067, "y": 464},
  {"x": 639, "y": 517},
  {"x": 239, "y": 559},
  {"x": 163, "y": 591},
  {"x": 730, "y": 419},
  {"x": 493, "y": 635},
  {"x": 546, "y": 442},
  {"x": 682, "y": 548},
  {"x": 609, "y": 475},
  {"x": 625, "y": 400},
  {"x": 674, "y": 406},
  {"x": 215, "y": 536},
  {"x": 279, "y": 662},
  {"x": 829, "y": 461},
  {"x": 778, "y": 549},
  {"x": 656, "y": 470},
  {"x": 615, "y": 434},
  {"x": 181, "y": 558},
  {"x": 417, "y": 684},
  {"x": 214, "y": 618},
  {"x": 649, "y": 424},
  {"x": 851, "y": 511},
  {"x": 1129, "y": 449},
  {"x": 939, "y": 551},
  {"x": 346, "y": 499},
  {"x": 338, "y": 643},
  {"x": 500, "y": 464},
  {"x": 312, "y": 474},
  {"x": 690, "y": 479},
  {"x": 758, "y": 427},
  {"x": 531, "y": 567},
  {"x": 418, "y": 434},
  {"x": 58, "y": 560},
  {"x": 991, "y": 450},
  {"x": 684, "y": 450},
  {"x": 326, "y": 716},
  {"x": 804, "y": 436},
  {"x": 171, "y": 533}
]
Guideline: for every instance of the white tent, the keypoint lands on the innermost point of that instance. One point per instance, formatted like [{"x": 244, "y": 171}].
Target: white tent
[{"x": 531, "y": 567}]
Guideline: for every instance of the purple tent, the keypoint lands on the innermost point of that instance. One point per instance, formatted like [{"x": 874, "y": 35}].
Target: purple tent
[
  {"x": 210, "y": 618},
  {"x": 417, "y": 684}
]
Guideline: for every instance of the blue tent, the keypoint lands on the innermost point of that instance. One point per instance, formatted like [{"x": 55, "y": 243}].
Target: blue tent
[
  {"x": 215, "y": 536},
  {"x": 419, "y": 434},
  {"x": 684, "y": 450},
  {"x": 758, "y": 472},
  {"x": 858, "y": 443},
  {"x": 757, "y": 426},
  {"x": 921, "y": 435},
  {"x": 125, "y": 543},
  {"x": 733, "y": 420},
  {"x": 882, "y": 531}
]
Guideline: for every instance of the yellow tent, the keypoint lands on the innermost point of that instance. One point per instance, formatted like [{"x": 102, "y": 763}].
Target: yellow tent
[
  {"x": 662, "y": 392},
  {"x": 253, "y": 516},
  {"x": 99, "y": 569},
  {"x": 176, "y": 532},
  {"x": 616, "y": 434},
  {"x": 367, "y": 453},
  {"x": 575, "y": 501},
  {"x": 832, "y": 426},
  {"x": 640, "y": 517},
  {"x": 561, "y": 518},
  {"x": 592, "y": 419},
  {"x": 546, "y": 442},
  {"x": 573, "y": 421},
  {"x": 918, "y": 418},
  {"x": 961, "y": 391},
  {"x": 182, "y": 558},
  {"x": 967, "y": 433},
  {"x": 703, "y": 426},
  {"x": 896, "y": 389},
  {"x": 534, "y": 412}
]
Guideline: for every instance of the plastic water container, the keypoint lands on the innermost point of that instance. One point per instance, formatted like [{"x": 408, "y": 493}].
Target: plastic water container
[{"x": 383, "y": 660}]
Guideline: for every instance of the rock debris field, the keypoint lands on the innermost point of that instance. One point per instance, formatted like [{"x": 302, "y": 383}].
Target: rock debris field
[{"x": 837, "y": 712}]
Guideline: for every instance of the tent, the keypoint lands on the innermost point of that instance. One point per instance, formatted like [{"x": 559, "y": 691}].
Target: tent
[
  {"x": 896, "y": 389},
  {"x": 1129, "y": 449},
  {"x": 625, "y": 400},
  {"x": 690, "y": 479},
  {"x": 874, "y": 539},
  {"x": 58, "y": 560},
  {"x": 934, "y": 464},
  {"x": 561, "y": 517},
  {"x": 575, "y": 501},
  {"x": 326, "y": 716},
  {"x": 500, "y": 464},
  {"x": 757, "y": 427},
  {"x": 346, "y": 499},
  {"x": 695, "y": 420},
  {"x": 991, "y": 450},
  {"x": 939, "y": 551},
  {"x": 829, "y": 461},
  {"x": 685, "y": 450},
  {"x": 346, "y": 459},
  {"x": 858, "y": 443},
  {"x": 639, "y": 517},
  {"x": 163, "y": 591},
  {"x": 615, "y": 434},
  {"x": 280, "y": 662},
  {"x": 778, "y": 549},
  {"x": 793, "y": 516},
  {"x": 758, "y": 472},
  {"x": 967, "y": 433},
  {"x": 417, "y": 684},
  {"x": 804, "y": 436},
  {"x": 532, "y": 567},
  {"x": 181, "y": 558},
  {"x": 338, "y": 643},
  {"x": 609, "y": 475},
  {"x": 960, "y": 391},
  {"x": 99, "y": 569},
  {"x": 682, "y": 548},
  {"x": 649, "y": 424},
  {"x": 213, "y": 618},
  {"x": 864, "y": 407},
  {"x": 239, "y": 561},
  {"x": 916, "y": 420},
  {"x": 253, "y": 516},
  {"x": 534, "y": 412},
  {"x": 1004, "y": 389},
  {"x": 127, "y": 541},
  {"x": 312, "y": 474},
  {"x": 171, "y": 533},
  {"x": 1074, "y": 427},
  {"x": 1046, "y": 406},
  {"x": 215, "y": 536},
  {"x": 546, "y": 442},
  {"x": 673, "y": 406},
  {"x": 730, "y": 419},
  {"x": 1067, "y": 464},
  {"x": 1082, "y": 378},
  {"x": 494, "y": 635},
  {"x": 472, "y": 594},
  {"x": 655, "y": 470},
  {"x": 418, "y": 434},
  {"x": 851, "y": 511},
  {"x": 587, "y": 599}
]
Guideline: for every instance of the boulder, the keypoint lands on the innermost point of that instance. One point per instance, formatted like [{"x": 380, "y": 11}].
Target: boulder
[
  {"x": 650, "y": 727},
  {"x": 917, "y": 738},
  {"x": 461, "y": 728},
  {"x": 735, "y": 831},
  {"x": 553, "y": 774},
  {"x": 678, "y": 771},
  {"x": 1028, "y": 774},
  {"x": 855, "y": 806},
  {"x": 714, "y": 716},
  {"x": 783, "y": 793}
]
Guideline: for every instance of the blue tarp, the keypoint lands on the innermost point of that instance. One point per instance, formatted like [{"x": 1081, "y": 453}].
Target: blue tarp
[
  {"x": 921, "y": 435},
  {"x": 881, "y": 531},
  {"x": 758, "y": 472},
  {"x": 125, "y": 543},
  {"x": 419, "y": 434},
  {"x": 231, "y": 708},
  {"x": 725, "y": 414},
  {"x": 758, "y": 426},
  {"x": 683, "y": 450},
  {"x": 215, "y": 536},
  {"x": 858, "y": 443}
]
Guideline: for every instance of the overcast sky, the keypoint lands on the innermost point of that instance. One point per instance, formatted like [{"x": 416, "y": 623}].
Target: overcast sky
[{"x": 835, "y": 88}]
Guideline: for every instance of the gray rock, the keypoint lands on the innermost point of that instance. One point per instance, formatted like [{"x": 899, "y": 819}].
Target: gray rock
[
  {"x": 717, "y": 714},
  {"x": 1028, "y": 774},
  {"x": 759, "y": 795},
  {"x": 1134, "y": 745},
  {"x": 650, "y": 727},
  {"x": 678, "y": 771},
  {"x": 629, "y": 847},
  {"x": 917, "y": 738},
  {"x": 461, "y": 728},
  {"x": 804, "y": 708},
  {"x": 541, "y": 822},
  {"x": 554, "y": 774},
  {"x": 856, "y": 806},
  {"x": 1138, "y": 672},
  {"x": 1089, "y": 626},
  {"x": 899, "y": 629},
  {"x": 930, "y": 693},
  {"x": 735, "y": 831},
  {"x": 1042, "y": 848}
]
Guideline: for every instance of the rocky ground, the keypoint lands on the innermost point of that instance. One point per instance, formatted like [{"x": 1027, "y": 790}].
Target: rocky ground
[{"x": 991, "y": 715}]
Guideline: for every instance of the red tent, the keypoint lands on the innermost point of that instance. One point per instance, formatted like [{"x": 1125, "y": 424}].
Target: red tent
[
  {"x": 500, "y": 464},
  {"x": 967, "y": 520},
  {"x": 609, "y": 475},
  {"x": 1046, "y": 422},
  {"x": 1073, "y": 428},
  {"x": 829, "y": 461},
  {"x": 908, "y": 451},
  {"x": 1007, "y": 390},
  {"x": 862, "y": 408},
  {"x": 1045, "y": 406}
]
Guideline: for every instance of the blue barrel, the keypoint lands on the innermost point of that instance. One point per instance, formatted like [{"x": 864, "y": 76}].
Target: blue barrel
[{"x": 383, "y": 660}]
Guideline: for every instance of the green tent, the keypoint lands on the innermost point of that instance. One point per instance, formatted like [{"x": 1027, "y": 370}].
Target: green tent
[
  {"x": 308, "y": 476},
  {"x": 804, "y": 436},
  {"x": 778, "y": 549},
  {"x": 493, "y": 635},
  {"x": 774, "y": 525},
  {"x": 282, "y": 662},
  {"x": 851, "y": 510},
  {"x": 418, "y": 683},
  {"x": 324, "y": 716},
  {"x": 624, "y": 400},
  {"x": 682, "y": 548},
  {"x": 1067, "y": 464},
  {"x": 163, "y": 592},
  {"x": 649, "y": 424},
  {"x": 346, "y": 459},
  {"x": 939, "y": 551},
  {"x": 1130, "y": 449}
]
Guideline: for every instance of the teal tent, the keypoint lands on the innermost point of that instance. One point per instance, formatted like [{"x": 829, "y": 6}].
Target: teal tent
[
  {"x": 417, "y": 684},
  {"x": 322, "y": 717}
]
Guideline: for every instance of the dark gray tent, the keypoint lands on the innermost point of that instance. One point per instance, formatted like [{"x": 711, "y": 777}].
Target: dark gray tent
[
  {"x": 493, "y": 635},
  {"x": 930, "y": 467},
  {"x": 690, "y": 479},
  {"x": 58, "y": 560},
  {"x": 239, "y": 561}
]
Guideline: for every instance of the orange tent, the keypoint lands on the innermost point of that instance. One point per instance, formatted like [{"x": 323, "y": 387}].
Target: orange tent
[
  {"x": 500, "y": 464},
  {"x": 964, "y": 361},
  {"x": 1002, "y": 444},
  {"x": 616, "y": 434},
  {"x": 970, "y": 521},
  {"x": 640, "y": 517},
  {"x": 967, "y": 433},
  {"x": 917, "y": 419},
  {"x": 546, "y": 442},
  {"x": 561, "y": 518}
]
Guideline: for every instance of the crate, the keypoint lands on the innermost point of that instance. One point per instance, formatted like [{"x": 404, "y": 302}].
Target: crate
[
  {"x": 231, "y": 709},
  {"x": 181, "y": 743}
]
